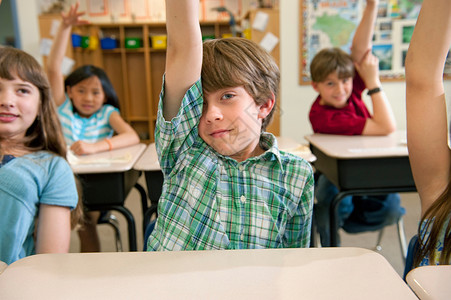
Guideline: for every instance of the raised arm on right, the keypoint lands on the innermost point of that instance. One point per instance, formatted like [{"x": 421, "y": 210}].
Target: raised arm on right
[
  {"x": 183, "y": 54},
  {"x": 427, "y": 133},
  {"x": 58, "y": 50}
]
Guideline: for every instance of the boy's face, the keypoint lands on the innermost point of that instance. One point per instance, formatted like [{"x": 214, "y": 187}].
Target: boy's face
[
  {"x": 87, "y": 96},
  {"x": 231, "y": 122},
  {"x": 334, "y": 91}
]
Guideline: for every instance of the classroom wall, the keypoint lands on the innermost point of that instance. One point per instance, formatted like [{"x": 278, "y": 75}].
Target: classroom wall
[
  {"x": 27, "y": 20},
  {"x": 296, "y": 99}
]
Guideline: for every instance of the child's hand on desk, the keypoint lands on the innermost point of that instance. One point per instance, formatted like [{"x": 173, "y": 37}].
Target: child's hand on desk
[{"x": 81, "y": 148}]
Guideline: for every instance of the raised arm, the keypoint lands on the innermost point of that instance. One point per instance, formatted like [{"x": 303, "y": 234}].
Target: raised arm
[
  {"x": 427, "y": 134},
  {"x": 363, "y": 35},
  {"x": 184, "y": 52},
  {"x": 55, "y": 59}
]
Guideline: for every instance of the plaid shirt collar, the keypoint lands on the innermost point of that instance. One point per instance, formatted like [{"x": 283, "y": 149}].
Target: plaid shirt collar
[{"x": 268, "y": 142}]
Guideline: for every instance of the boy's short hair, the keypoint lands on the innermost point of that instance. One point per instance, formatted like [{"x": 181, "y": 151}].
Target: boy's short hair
[
  {"x": 235, "y": 62},
  {"x": 331, "y": 60}
]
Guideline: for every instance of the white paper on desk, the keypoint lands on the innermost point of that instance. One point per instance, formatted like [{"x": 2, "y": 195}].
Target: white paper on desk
[
  {"x": 54, "y": 27},
  {"x": 67, "y": 65},
  {"x": 269, "y": 41},
  {"x": 86, "y": 160},
  {"x": 46, "y": 45},
  {"x": 260, "y": 21}
]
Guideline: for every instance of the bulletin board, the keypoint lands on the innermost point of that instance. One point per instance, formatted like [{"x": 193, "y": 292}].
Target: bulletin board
[{"x": 332, "y": 23}]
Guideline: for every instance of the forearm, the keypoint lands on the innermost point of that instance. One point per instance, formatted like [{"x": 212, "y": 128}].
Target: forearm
[
  {"x": 55, "y": 61},
  {"x": 363, "y": 36},
  {"x": 122, "y": 140},
  {"x": 184, "y": 52},
  {"x": 383, "y": 121}
]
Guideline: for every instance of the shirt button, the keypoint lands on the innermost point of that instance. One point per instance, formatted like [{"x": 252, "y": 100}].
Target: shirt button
[
  {"x": 243, "y": 199},
  {"x": 241, "y": 168},
  {"x": 242, "y": 236}
]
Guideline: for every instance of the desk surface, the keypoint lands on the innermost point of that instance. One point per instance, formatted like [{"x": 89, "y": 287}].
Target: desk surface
[
  {"x": 359, "y": 146},
  {"x": 118, "y": 160},
  {"x": 149, "y": 160},
  {"x": 315, "y": 273},
  {"x": 430, "y": 282}
]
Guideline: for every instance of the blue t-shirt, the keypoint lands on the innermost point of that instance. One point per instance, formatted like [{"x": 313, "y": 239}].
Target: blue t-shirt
[
  {"x": 25, "y": 183},
  {"x": 93, "y": 129}
]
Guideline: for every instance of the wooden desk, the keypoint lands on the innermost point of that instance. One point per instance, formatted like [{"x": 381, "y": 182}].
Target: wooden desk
[
  {"x": 315, "y": 273},
  {"x": 148, "y": 163},
  {"x": 430, "y": 282},
  {"x": 107, "y": 178},
  {"x": 362, "y": 165}
]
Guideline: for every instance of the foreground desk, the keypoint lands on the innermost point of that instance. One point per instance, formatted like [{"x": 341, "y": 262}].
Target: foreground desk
[
  {"x": 315, "y": 273},
  {"x": 362, "y": 165},
  {"x": 430, "y": 282},
  {"x": 107, "y": 178},
  {"x": 148, "y": 163}
]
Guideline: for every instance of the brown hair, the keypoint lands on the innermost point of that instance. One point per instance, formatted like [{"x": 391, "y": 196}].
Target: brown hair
[
  {"x": 45, "y": 133},
  {"x": 434, "y": 221},
  {"x": 331, "y": 60},
  {"x": 235, "y": 62}
]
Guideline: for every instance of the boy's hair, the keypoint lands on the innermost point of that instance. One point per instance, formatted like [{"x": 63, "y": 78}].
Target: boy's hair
[
  {"x": 331, "y": 60},
  {"x": 235, "y": 62},
  {"x": 88, "y": 71},
  {"x": 45, "y": 132}
]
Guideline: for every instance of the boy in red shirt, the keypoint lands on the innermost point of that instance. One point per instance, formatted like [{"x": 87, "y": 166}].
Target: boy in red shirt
[{"x": 339, "y": 109}]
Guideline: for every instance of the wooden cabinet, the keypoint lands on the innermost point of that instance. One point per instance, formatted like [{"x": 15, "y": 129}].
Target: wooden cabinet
[
  {"x": 136, "y": 73},
  {"x": 257, "y": 36}
]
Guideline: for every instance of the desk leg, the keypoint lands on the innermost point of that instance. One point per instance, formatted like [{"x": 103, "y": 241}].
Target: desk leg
[{"x": 131, "y": 225}]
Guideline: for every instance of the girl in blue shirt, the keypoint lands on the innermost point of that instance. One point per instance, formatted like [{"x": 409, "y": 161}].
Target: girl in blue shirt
[{"x": 37, "y": 186}]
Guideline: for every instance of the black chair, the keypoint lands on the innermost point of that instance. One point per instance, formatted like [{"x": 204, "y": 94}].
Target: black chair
[{"x": 107, "y": 218}]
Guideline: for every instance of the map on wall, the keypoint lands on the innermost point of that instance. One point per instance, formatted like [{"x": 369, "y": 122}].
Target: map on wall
[{"x": 332, "y": 23}]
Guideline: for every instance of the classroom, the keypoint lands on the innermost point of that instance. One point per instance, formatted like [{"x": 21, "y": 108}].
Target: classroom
[{"x": 122, "y": 229}]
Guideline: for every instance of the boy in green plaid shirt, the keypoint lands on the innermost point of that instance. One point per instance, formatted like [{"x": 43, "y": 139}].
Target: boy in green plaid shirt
[{"x": 226, "y": 184}]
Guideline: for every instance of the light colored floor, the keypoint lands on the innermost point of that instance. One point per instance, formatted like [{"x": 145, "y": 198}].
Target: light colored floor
[{"x": 390, "y": 243}]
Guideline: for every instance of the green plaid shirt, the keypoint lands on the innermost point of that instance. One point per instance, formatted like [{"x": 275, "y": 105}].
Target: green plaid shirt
[{"x": 210, "y": 201}]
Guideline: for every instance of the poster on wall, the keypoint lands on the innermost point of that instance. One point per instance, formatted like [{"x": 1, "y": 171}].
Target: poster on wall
[
  {"x": 97, "y": 7},
  {"x": 332, "y": 23}
]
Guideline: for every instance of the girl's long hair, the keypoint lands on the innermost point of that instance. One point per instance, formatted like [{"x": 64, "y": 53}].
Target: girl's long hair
[{"x": 434, "y": 221}]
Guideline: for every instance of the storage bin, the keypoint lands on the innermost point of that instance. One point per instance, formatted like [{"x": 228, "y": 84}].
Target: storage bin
[
  {"x": 93, "y": 43},
  {"x": 76, "y": 40},
  {"x": 108, "y": 43},
  {"x": 158, "y": 41},
  {"x": 132, "y": 42},
  {"x": 85, "y": 41},
  {"x": 208, "y": 37}
]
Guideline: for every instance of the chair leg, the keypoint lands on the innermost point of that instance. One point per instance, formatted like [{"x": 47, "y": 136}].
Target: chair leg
[
  {"x": 402, "y": 239},
  {"x": 112, "y": 220},
  {"x": 379, "y": 239}
]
